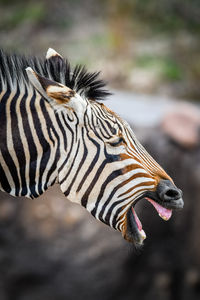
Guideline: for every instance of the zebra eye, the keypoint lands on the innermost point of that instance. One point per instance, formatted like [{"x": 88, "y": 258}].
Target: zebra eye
[{"x": 117, "y": 142}]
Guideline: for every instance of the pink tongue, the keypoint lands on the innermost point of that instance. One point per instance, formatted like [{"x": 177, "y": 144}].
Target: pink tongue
[
  {"x": 163, "y": 212},
  {"x": 139, "y": 225}
]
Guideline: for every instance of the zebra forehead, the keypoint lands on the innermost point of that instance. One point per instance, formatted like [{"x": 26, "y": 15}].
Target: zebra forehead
[
  {"x": 88, "y": 84},
  {"x": 122, "y": 122}
]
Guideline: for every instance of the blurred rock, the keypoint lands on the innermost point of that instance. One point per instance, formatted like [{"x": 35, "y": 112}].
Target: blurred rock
[{"x": 183, "y": 125}]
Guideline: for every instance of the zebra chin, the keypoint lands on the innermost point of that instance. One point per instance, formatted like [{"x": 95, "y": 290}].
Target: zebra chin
[{"x": 166, "y": 198}]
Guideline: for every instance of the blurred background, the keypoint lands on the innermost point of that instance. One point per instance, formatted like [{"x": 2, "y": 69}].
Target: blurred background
[{"x": 148, "y": 52}]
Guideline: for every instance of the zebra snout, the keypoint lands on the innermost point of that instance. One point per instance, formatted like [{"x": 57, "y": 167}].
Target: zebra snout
[{"x": 170, "y": 194}]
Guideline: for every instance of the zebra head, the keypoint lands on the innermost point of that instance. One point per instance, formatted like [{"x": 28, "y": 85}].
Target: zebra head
[{"x": 104, "y": 167}]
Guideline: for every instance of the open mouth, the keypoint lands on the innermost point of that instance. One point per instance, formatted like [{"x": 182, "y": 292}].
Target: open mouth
[{"x": 135, "y": 232}]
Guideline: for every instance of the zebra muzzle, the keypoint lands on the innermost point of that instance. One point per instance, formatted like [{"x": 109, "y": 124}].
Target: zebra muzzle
[{"x": 166, "y": 198}]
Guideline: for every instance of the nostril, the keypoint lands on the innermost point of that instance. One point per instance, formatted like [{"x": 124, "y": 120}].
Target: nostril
[
  {"x": 172, "y": 193},
  {"x": 168, "y": 192}
]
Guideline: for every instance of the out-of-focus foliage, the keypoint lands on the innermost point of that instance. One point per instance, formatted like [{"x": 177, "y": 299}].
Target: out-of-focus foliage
[
  {"x": 33, "y": 12},
  {"x": 165, "y": 15},
  {"x": 169, "y": 69},
  {"x": 147, "y": 46}
]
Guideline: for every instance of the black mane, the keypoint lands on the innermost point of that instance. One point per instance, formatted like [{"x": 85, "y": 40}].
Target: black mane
[{"x": 12, "y": 68}]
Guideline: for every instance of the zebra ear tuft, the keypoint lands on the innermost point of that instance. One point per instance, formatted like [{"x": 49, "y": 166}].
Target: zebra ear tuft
[
  {"x": 50, "y": 89},
  {"x": 51, "y": 53}
]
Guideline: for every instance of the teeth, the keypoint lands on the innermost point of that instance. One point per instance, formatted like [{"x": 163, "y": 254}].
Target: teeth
[
  {"x": 143, "y": 234},
  {"x": 164, "y": 217}
]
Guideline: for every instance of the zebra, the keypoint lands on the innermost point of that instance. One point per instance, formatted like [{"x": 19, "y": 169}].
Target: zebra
[{"x": 56, "y": 129}]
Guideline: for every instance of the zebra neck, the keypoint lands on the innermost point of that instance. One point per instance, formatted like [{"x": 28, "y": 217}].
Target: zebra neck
[{"x": 29, "y": 143}]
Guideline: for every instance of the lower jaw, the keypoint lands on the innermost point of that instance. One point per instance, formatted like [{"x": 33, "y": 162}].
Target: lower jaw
[
  {"x": 137, "y": 238},
  {"x": 132, "y": 234}
]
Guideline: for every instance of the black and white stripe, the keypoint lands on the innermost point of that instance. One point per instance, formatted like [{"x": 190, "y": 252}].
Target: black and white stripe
[{"x": 69, "y": 138}]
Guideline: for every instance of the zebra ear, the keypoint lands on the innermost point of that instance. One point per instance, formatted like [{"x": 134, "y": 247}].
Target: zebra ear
[
  {"x": 50, "y": 89},
  {"x": 57, "y": 93},
  {"x": 53, "y": 55}
]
